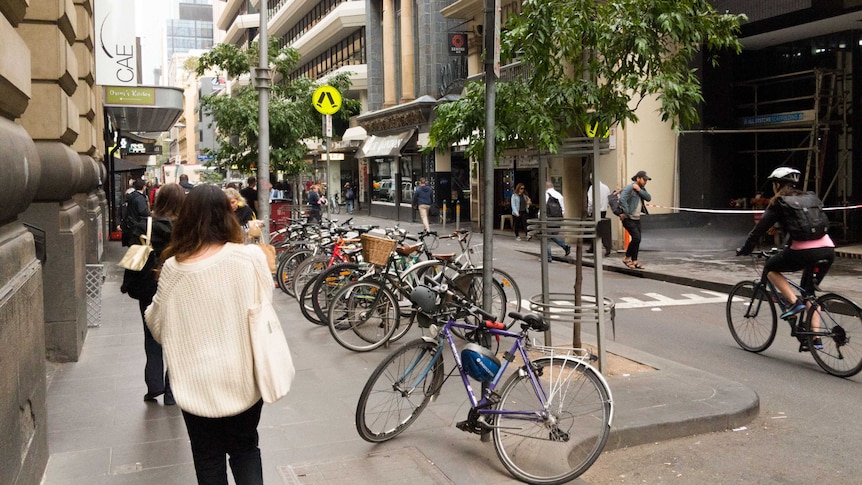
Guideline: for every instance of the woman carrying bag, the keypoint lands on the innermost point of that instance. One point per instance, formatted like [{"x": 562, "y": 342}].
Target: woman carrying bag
[{"x": 200, "y": 314}]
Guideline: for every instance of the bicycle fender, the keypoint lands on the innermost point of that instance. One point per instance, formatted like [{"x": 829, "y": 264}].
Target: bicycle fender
[{"x": 595, "y": 371}]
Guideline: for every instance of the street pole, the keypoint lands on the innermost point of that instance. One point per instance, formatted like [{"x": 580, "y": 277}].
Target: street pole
[
  {"x": 262, "y": 78},
  {"x": 492, "y": 9},
  {"x": 598, "y": 251},
  {"x": 492, "y": 26}
]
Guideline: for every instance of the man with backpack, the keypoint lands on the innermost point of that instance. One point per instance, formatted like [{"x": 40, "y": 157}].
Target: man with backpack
[
  {"x": 349, "y": 198},
  {"x": 555, "y": 208},
  {"x": 135, "y": 209},
  {"x": 631, "y": 200}
]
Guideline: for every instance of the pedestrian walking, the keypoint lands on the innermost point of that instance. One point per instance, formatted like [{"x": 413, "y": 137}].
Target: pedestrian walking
[
  {"x": 423, "y": 197},
  {"x": 141, "y": 285},
  {"x": 633, "y": 199},
  {"x": 349, "y": 198},
  {"x": 199, "y": 314},
  {"x": 603, "y": 228},
  {"x": 555, "y": 207},
  {"x": 314, "y": 204},
  {"x": 520, "y": 205}
]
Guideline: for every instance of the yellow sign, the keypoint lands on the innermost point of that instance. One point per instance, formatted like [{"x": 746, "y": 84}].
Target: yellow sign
[
  {"x": 327, "y": 100},
  {"x": 130, "y": 95},
  {"x": 593, "y": 130}
]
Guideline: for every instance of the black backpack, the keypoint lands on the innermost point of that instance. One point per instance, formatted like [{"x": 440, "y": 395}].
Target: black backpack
[
  {"x": 553, "y": 206},
  {"x": 803, "y": 216},
  {"x": 128, "y": 220},
  {"x": 614, "y": 203}
]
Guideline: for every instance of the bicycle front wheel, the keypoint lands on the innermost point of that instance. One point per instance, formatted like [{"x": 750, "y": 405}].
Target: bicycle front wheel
[
  {"x": 751, "y": 316},
  {"x": 837, "y": 323},
  {"x": 560, "y": 441},
  {"x": 398, "y": 390},
  {"x": 363, "y": 316}
]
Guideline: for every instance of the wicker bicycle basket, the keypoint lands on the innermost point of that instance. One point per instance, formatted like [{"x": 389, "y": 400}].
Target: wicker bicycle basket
[{"x": 376, "y": 250}]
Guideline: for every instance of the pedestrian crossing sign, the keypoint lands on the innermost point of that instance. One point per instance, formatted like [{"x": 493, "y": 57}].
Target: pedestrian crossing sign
[{"x": 326, "y": 100}]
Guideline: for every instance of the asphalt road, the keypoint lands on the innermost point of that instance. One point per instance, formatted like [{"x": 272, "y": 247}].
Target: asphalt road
[{"x": 807, "y": 431}]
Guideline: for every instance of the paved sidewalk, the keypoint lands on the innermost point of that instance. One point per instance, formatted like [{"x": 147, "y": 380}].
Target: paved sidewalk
[{"x": 101, "y": 431}]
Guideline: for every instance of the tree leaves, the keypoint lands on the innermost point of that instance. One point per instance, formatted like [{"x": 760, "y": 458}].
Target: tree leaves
[
  {"x": 591, "y": 62},
  {"x": 292, "y": 118}
]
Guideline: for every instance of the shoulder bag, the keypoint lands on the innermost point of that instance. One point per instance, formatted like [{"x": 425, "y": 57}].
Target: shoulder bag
[
  {"x": 137, "y": 255},
  {"x": 273, "y": 365}
]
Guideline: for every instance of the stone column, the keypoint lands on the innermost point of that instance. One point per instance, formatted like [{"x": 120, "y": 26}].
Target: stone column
[
  {"x": 54, "y": 121},
  {"x": 388, "y": 53},
  {"x": 24, "y": 439},
  {"x": 408, "y": 89}
]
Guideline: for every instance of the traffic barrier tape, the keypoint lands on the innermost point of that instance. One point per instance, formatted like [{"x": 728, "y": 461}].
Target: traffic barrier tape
[{"x": 739, "y": 211}]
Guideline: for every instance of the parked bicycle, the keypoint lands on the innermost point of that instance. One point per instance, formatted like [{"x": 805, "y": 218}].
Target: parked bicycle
[
  {"x": 549, "y": 417},
  {"x": 376, "y": 309},
  {"x": 830, "y": 327}
]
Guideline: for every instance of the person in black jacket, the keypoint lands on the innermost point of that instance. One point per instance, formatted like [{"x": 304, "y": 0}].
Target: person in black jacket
[
  {"x": 142, "y": 285},
  {"x": 135, "y": 210}
]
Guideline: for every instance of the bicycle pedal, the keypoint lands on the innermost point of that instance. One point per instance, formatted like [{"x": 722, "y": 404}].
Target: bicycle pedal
[{"x": 468, "y": 427}]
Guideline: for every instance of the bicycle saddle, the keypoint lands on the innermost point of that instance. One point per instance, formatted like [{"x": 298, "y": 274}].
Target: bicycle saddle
[
  {"x": 406, "y": 250},
  {"x": 444, "y": 257},
  {"x": 531, "y": 321}
]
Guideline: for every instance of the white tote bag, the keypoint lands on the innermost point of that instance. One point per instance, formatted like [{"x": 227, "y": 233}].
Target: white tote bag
[
  {"x": 273, "y": 366},
  {"x": 137, "y": 255}
]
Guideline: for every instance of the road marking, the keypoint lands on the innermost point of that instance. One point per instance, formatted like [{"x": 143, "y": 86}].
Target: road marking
[{"x": 658, "y": 300}]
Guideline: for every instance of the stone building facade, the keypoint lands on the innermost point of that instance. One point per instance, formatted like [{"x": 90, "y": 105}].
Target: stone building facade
[{"x": 51, "y": 211}]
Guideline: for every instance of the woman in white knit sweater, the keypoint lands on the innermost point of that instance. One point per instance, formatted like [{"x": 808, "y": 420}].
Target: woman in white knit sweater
[{"x": 200, "y": 316}]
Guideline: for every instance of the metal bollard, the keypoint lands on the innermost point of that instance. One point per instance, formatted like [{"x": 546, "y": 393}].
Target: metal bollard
[
  {"x": 443, "y": 216},
  {"x": 457, "y": 214}
]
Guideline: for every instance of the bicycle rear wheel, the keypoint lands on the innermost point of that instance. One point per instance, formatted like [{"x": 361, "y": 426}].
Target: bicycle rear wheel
[
  {"x": 305, "y": 304},
  {"x": 306, "y": 270},
  {"x": 559, "y": 443},
  {"x": 286, "y": 269},
  {"x": 470, "y": 285},
  {"x": 751, "y": 316},
  {"x": 398, "y": 390},
  {"x": 363, "y": 316},
  {"x": 840, "y": 335},
  {"x": 328, "y": 283}
]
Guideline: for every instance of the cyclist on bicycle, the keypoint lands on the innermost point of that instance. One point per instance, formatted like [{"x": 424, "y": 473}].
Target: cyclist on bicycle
[{"x": 802, "y": 218}]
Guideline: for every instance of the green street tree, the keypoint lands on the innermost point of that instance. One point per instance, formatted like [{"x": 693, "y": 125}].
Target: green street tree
[
  {"x": 292, "y": 117},
  {"x": 586, "y": 62}
]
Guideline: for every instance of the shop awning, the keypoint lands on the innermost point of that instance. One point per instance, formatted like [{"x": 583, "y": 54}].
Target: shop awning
[
  {"x": 354, "y": 133},
  {"x": 384, "y": 146}
]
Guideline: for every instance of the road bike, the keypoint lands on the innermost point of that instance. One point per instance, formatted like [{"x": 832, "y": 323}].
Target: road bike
[
  {"x": 830, "y": 327},
  {"x": 549, "y": 415}
]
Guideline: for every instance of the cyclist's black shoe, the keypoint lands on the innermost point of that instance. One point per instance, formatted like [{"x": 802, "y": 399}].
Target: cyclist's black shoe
[{"x": 793, "y": 310}]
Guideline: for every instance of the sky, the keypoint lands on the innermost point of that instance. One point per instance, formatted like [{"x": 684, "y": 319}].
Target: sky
[{"x": 150, "y": 18}]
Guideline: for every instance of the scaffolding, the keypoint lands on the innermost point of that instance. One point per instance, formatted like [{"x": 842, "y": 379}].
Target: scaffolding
[
  {"x": 812, "y": 104},
  {"x": 800, "y": 114}
]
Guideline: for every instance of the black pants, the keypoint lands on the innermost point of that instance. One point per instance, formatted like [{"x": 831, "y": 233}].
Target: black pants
[
  {"x": 634, "y": 229},
  {"x": 604, "y": 231},
  {"x": 213, "y": 438},
  {"x": 155, "y": 377},
  {"x": 520, "y": 223}
]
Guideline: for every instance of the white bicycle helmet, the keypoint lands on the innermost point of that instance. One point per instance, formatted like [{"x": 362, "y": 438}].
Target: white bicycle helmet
[{"x": 784, "y": 175}]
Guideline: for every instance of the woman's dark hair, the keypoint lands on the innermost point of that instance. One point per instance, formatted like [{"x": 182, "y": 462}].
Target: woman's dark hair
[
  {"x": 168, "y": 201},
  {"x": 519, "y": 186},
  {"x": 785, "y": 189},
  {"x": 205, "y": 218}
]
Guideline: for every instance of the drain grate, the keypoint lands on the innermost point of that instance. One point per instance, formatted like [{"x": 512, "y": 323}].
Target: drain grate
[{"x": 405, "y": 465}]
